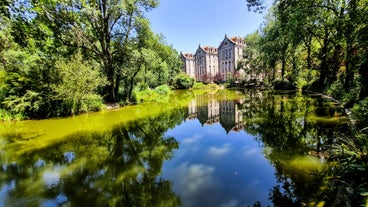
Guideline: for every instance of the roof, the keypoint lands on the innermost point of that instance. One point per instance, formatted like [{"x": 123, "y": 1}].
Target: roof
[
  {"x": 188, "y": 55},
  {"x": 237, "y": 40},
  {"x": 210, "y": 49}
]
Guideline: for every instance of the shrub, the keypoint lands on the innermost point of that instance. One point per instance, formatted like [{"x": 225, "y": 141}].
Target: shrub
[
  {"x": 79, "y": 83},
  {"x": 158, "y": 94},
  {"x": 183, "y": 81},
  {"x": 91, "y": 102},
  {"x": 163, "y": 89},
  {"x": 360, "y": 111}
]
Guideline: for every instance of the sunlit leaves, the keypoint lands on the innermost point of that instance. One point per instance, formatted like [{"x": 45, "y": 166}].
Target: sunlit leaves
[{"x": 79, "y": 82}]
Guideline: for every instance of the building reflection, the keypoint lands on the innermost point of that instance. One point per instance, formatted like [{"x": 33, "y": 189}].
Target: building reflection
[{"x": 210, "y": 111}]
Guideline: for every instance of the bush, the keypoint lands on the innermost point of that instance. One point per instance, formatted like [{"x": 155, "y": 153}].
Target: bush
[
  {"x": 158, "y": 94},
  {"x": 91, "y": 102},
  {"x": 79, "y": 82},
  {"x": 8, "y": 116},
  {"x": 163, "y": 89},
  {"x": 183, "y": 81},
  {"x": 360, "y": 111}
]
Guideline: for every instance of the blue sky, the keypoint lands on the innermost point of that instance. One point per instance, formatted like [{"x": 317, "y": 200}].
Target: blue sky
[{"x": 188, "y": 23}]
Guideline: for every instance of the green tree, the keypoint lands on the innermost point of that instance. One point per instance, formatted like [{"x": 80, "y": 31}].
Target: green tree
[
  {"x": 25, "y": 77},
  {"x": 104, "y": 29},
  {"x": 78, "y": 86}
]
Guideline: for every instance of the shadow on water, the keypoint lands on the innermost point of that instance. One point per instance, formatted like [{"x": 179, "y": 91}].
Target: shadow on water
[{"x": 118, "y": 167}]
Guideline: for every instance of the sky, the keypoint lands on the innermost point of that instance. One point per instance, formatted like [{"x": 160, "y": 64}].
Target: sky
[{"x": 188, "y": 23}]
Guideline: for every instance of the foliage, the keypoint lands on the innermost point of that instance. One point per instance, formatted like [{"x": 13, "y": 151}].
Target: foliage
[
  {"x": 313, "y": 44},
  {"x": 151, "y": 61},
  {"x": 78, "y": 85},
  {"x": 201, "y": 86},
  {"x": 8, "y": 116},
  {"x": 348, "y": 185},
  {"x": 360, "y": 112},
  {"x": 104, "y": 29},
  {"x": 160, "y": 93},
  {"x": 25, "y": 75},
  {"x": 163, "y": 89},
  {"x": 183, "y": 81},
  {"x": 38, "y": 38}
]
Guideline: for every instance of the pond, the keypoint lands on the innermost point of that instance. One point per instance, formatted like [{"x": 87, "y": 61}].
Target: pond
[{"x": 230, "y": 148}]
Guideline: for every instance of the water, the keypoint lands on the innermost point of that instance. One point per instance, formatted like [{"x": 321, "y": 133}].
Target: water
[{"x": 229, "y": 148}]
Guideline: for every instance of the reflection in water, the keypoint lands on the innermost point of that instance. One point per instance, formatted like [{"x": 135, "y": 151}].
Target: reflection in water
[
  {"x": 114, "y": 168},
  {"x": 226, "y": 149},
  {"x": 209, "y": 110}
]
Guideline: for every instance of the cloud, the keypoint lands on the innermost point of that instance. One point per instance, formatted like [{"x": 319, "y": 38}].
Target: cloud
[
  {"x": 250, "y": 152},
  {"x": 219, "y": 151},
  {"x": 191, "y": 140},
  {"x": 194, "y": 177}
]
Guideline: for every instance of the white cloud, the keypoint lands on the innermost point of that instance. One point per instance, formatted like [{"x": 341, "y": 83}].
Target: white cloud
[
  {"x": 219, "y": 151},
  {"x": 249, "y": 152},
  {"x": 194, "y": 177},
  {"x": 191, "y": 140}
]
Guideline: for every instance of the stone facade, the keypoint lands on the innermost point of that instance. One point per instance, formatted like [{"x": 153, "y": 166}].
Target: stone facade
[
  {"x": 230, "y": 53},
  {"x": 188, "y": 64},
  {"x": 214, "y": 64},
  {"x": 206, "y": 63}
]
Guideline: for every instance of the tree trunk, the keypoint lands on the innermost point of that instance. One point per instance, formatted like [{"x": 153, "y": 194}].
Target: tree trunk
[
  {"x": 131, "y": 83},
  {"x": 109, "y": 70},
  {"x": 349, "y": 76},
  {"x": 324, "y": 66}
]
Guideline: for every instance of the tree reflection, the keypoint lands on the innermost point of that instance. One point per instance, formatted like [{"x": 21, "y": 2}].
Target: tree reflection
[
  {"x": 119, "y": 167},
  {"x": 289, "y": 132}
]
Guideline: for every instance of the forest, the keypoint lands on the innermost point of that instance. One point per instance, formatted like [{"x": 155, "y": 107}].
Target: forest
[
  {"x": 322, "y": 46},
  {"x": 60, "y": 58},
  {"x": 316, "y": 45}
]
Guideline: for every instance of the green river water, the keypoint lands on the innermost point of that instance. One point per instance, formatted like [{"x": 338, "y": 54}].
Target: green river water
[{"x": 230, "y": 148}]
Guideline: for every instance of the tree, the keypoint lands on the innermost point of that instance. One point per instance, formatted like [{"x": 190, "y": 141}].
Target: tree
[
  {"x": 103, "y": 29},
  {"x": 78, "y": 85}
]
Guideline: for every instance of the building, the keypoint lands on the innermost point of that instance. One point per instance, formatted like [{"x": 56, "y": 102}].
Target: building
[
  {"x": 206, "y": 63},
  {"x": 230, "y": 52},
  {"x": 188, "y": 64},
  {"x": 210, "y": 64}
]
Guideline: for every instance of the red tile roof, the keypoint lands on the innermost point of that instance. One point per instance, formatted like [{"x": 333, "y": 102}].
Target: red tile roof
[
  {"x": 210, "y": 49},
  {"x": 188, "y": 55},
  {"x": 237, "y": 40}
]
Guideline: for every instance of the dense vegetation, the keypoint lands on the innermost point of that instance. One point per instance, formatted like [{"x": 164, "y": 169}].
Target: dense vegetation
[
  {"x": 322, "y": 45},
  {"x": 60, "y": 58}
]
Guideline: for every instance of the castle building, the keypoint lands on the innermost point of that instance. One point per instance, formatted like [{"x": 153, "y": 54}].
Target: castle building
[
  {"x": 214, "y": 64},
  {"x": 230, "y": 53},
  {"x": 188, "y": 64},
  {"x": 206, "y": 63}
]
